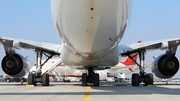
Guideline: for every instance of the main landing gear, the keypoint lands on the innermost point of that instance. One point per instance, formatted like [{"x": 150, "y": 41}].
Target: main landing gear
[
  {"x": 91, "y": 77},
  {"x": 38, "y": 77},
  {"x": 142, "y": 77}
]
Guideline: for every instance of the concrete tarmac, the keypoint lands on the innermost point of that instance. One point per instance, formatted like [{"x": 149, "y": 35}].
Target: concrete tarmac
[{"x": 59, "y": 91}]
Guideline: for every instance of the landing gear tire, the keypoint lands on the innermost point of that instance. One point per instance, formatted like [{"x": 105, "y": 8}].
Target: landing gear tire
[
  {"x": 45, "y": 79},
  {"x": 84, "y": 79},
  {"x": 31, "y": 79},
  {"x": 96, "y": 79},
  {"x": 149, "y": 79},
  {"x": 135, "y": 79}
]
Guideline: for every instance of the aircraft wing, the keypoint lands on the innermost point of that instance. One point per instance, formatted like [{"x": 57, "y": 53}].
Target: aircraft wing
[
  {"x": 128, "y": 69},
  {"x": 10, "y": 44},
  {"x": 167, "y": 44}
]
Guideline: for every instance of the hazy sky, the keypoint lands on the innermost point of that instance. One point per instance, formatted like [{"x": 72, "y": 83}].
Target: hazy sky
[{"x": 31, "y": 20}]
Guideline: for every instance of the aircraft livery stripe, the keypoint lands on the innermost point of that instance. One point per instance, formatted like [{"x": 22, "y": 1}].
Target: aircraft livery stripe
[
  {"x": 131, "y": 69},
  {"x": 87, "y": 96}
]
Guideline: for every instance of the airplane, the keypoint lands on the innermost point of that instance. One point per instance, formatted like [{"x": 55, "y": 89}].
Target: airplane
[{"x": 90, "y": 31}]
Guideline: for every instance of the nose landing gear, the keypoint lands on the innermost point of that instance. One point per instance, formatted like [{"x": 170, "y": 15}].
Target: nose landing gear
[{"x": 92, "y": 77}]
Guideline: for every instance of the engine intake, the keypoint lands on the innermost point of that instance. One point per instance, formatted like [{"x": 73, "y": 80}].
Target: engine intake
[
  {"x": 165, "y": 66},
  {"x": 15, "y": 65}
]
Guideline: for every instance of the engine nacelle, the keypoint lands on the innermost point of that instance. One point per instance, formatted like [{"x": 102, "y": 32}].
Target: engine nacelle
[
  {"x": 15, "y": 65},
  {"x": 165, "y": 66}
]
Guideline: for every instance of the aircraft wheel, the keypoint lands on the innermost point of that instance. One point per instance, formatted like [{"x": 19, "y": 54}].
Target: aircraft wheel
[
  {"x": 96, "y": 79},
  {"x": 84, "y": 79},
  {"x": 135, "y": 79},
  {"x": 149, "y": 79},
  {"x": 31, "y": 79},
  {"x": 45, "y": 79}
]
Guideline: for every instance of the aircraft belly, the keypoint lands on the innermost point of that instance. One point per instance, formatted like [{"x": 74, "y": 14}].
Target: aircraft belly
[
  {"x": 70, "y": 59},
  {"x": 91, "y": 27}
]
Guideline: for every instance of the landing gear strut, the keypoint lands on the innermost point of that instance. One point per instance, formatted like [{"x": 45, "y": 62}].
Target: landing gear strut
[
  {"x": 36, "y": 77},
  {"x": 92, "y": 77},
  {"x": 146, "y": 78}
]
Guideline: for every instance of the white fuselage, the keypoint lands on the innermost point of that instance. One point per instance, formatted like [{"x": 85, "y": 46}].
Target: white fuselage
[{"x": 90, "y": 30}]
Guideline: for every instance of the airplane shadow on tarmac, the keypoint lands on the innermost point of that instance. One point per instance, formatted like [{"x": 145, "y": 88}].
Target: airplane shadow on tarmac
[{"x": 106, "y": 89}]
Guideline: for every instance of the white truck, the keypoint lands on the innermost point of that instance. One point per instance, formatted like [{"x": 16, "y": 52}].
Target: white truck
[{"x": 119, "y": 77}]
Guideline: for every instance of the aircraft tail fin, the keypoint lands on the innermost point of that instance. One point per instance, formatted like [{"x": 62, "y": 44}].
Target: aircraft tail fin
[{"x": 128, "y": 61}]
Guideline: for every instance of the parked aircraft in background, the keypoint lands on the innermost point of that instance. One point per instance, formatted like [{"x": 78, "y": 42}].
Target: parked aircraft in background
[
  {"x": 61, "y": 71},
  {"x": 90, "y": 32}
]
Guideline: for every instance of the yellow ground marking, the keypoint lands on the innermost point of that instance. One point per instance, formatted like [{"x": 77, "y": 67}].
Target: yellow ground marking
[
  {"x": 29, "y": 85},
  {"x": 150, "y": 85},
  {"x": 87, "y": 96}
]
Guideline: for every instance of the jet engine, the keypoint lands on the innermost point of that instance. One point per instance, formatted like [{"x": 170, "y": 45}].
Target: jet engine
[
  {"x": 15, "y": 65},
  {"x": 165, "y": 66}
]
